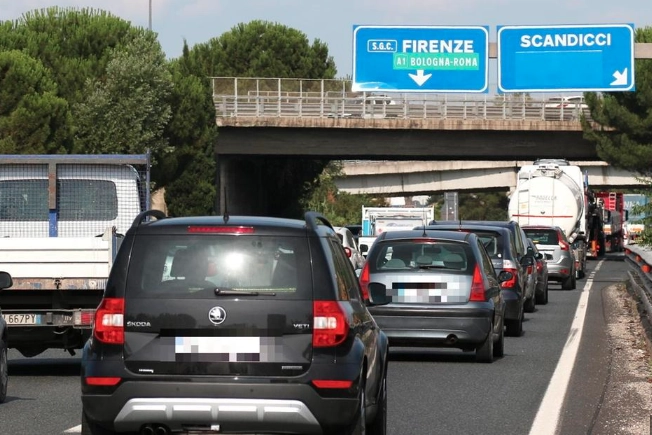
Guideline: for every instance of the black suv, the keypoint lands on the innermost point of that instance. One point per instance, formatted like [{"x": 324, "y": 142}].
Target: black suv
[
  {"x": 233, "y": 325},
  {"x": 5, "y": 282}
]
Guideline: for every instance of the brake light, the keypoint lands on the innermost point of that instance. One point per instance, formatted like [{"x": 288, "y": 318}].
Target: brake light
[
  {"x": 529, "y": 270},
  {"x": 332, "y": 384},
  {"x": 109, "y": 321},
  {"x": 102, "y": 382},
  {"x": 348, "y": 252},
  {"x": 564, "y": 246},
  {"x": 364, "y": 281},
  {"x": 220, "y": 230},
  {"x": 539, "y": 266},
  {"x": 330, "y": 326},
  {"x": 477, "y": 286},
  {"x": 510, "y": 283}
]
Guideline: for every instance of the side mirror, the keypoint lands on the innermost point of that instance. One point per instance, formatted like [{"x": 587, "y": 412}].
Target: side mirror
[
  {"x": 538, "y": 256},
  {"x": 530, "y": 251},
  {"x": 364, "y": 248},
  {"x": 505, "y": 276},
  {"x": 5, "y": 280},
  {"x": 378, "y": 294}
]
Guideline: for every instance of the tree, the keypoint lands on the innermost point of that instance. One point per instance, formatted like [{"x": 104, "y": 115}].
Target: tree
[
  {"x": 622, "y": 127},
  {"x": 340, "y": 208},
  {"x": 74, "y": 44},
  {"x": 263, "y": 49},
  {"x": 33, "y": 120},
  {"x": 126, "y": 112},
  {"x": 189, "y": 171}
]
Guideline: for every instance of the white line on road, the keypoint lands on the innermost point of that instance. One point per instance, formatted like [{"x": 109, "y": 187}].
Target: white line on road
[
  {"x": 547, "y": 418},
  {"x": 76, "y": 429}
]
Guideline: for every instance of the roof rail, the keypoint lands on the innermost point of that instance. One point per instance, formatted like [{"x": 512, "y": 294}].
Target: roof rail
[
  {"x": 312, "y": 217},
  {"x": 158, "y": 214}
]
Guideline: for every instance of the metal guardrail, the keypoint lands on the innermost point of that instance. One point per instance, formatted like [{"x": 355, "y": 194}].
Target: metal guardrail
[
  {"x": 640, "y": 280},
  {"x": 306, "y": 98}
]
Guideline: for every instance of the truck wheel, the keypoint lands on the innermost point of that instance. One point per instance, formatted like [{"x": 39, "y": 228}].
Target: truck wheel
[{"x": 4, "y": 371}]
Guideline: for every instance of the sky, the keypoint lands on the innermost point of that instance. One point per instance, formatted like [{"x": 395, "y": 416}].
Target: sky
[{"x": 332, "y": 21}]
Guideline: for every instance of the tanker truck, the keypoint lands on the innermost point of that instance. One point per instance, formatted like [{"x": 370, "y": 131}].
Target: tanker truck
[{"x": 552, "y": 192}]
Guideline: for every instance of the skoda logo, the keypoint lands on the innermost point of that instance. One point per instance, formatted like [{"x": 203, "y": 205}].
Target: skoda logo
[{"x": 217, "y": 315}]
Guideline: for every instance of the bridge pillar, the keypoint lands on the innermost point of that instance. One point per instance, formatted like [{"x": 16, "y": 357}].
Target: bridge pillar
[{"x": 239, "y": 183}]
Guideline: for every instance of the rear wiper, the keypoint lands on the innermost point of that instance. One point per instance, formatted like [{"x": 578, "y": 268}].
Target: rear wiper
[
  {"x": 231, "y": 292},
  {"x": 431, "y": 266}
]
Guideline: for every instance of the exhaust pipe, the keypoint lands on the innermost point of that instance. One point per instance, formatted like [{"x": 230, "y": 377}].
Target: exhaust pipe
[
  {"x": 147, "y": 430},
  {"x": 451, "y": 339},
  {"x": 161, "y": 430}
]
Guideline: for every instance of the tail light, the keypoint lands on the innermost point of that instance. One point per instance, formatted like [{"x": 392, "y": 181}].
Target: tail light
[
  {"x": 364, "y": 281},
  {"x": 529, "y": 270},
  {"x": 109, "y": 321},
  {"x": 539, "y": 266},
  {"x": 509, "y": 266},
  {"x": 330, "y": 326},
  {"x": 477, "y": 287},
  {"x": 565, "y": 246},
  {"x": 348, "y": 252}
]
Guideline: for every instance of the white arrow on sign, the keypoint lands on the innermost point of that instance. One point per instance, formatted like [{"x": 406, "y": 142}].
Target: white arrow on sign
[
  {"x": 621, "y": 78},
  {"x": 420, "y": 78}
]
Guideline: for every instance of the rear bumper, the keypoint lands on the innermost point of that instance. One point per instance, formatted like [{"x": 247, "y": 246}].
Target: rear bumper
[
  {"x": 445, "y": 327},
  {"x": 560, "y": 270},
  {"x": 245, "y": 405}
]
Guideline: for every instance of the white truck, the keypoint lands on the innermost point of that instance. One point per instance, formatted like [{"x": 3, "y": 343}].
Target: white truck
[
  {"x": 376, "y": 220},
  {"x": 61, "y": 222},
  {"x": 551, "y": 192}
]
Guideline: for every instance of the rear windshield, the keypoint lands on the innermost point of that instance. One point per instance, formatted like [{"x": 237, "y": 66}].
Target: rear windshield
[
  {"x": 493, "y": 243},
  {"x": 194, "y": 266},
  {"x": 421, "y": 254},
  {"x": 543, "y": 236}
]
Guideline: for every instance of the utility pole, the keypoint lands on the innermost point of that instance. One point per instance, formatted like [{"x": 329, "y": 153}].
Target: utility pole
[{"x": 150, "y": 15}]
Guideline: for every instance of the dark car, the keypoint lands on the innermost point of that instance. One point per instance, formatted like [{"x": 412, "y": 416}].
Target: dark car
[
  {"x": 542, "y": 274},
  {"x": 5, "y": 282},
  {"x": 501, "y": 245},
  {"x": 233, "y": 325},
  {"x": 434, "y": 288}
]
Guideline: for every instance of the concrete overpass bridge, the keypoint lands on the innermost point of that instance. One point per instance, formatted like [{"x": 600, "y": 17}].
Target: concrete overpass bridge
[
  {"x": 300, "y": 118},
  {"x": 409, "y": 178}
]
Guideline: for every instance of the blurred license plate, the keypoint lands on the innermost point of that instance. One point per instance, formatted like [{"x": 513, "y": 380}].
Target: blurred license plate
[{"x": 22, "y": 319}]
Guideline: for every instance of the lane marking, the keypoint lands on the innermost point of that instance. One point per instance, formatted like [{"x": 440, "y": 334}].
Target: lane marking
[
  {"x": 547, "y": 418},
  {"x": 76, "y": 429}
]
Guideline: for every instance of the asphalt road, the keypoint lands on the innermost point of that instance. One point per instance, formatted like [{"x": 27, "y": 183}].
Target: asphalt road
[{"x": 430, "y": 391}]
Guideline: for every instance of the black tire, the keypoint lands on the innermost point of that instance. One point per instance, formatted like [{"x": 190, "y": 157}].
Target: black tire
[
  {"x": 4, "y": 371},
  {"x": 499, "y": 345},
  {"x": 90, "y": 428},
  {"x": 359, "y": 425},
  {"x": 569, "y": 283},
  {"x": 485, "y": 353},
  {"x": 529, "y": 305},
  {"x": 514, "y": 326},
  {"x": 378, "y": 425},
  {"x": 542, "y": 297}
]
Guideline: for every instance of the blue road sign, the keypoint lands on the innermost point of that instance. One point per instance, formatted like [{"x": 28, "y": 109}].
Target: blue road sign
[
  {"x": 420, "y": 58},
  {"x": 566, "y": 58}
]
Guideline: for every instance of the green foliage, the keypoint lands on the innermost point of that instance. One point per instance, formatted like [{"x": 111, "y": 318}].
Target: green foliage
[
  {"x": 74, "y": 44},
  {"x": 33, "y": 120},
  {"x": 489, "y": 206},
  {"x": 127, "y": 111},
  {"x": 340, "y": 208},
  {"x": 263, "y": 49},
  {"x": 623, "y": 120}
]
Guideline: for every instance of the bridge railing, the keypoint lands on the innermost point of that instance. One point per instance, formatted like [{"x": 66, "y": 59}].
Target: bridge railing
[{"x": 308, "y": 98}]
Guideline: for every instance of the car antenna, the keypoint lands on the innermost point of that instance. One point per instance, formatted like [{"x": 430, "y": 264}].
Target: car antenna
[{"x": 226, "y": 212}]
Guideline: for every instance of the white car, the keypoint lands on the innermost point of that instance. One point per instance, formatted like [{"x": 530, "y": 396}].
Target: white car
[
  {"x": 350, "y": 247},
  {"x": 573, "y": 102}
]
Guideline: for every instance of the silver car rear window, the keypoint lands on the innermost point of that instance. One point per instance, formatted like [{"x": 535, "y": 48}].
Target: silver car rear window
[{"x": 420, "y": 254}]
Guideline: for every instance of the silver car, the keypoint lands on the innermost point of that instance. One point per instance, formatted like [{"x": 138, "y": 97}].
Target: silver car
[
  {"x": 553, "y": 244},
  {"x": 436, "y": 288}
]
